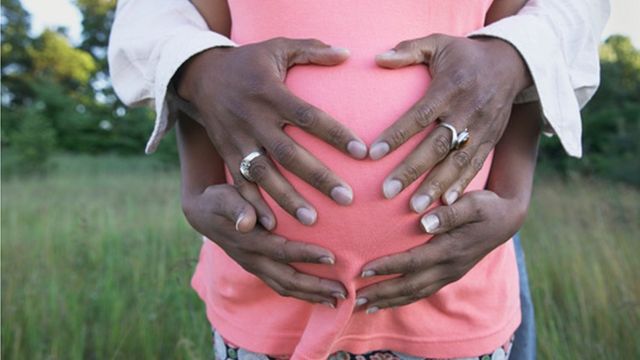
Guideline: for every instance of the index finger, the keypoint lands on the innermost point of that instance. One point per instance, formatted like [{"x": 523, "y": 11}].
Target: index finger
[
  {"x": 416, "y": 119},
  {"x": 411, "y": 261},
  {"x": 317, "y": 122}
]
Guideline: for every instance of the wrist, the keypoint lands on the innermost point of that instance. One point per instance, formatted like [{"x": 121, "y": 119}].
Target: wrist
[
  {"x": 188, "y": 77},
  {"x": 513, "y": 64}
]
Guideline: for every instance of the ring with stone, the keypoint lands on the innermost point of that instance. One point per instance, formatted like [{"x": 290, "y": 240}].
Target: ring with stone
[{"x": 245, "y": 165}]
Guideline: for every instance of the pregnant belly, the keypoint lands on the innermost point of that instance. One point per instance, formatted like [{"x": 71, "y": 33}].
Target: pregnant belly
[{"x": 366, "y": 99}]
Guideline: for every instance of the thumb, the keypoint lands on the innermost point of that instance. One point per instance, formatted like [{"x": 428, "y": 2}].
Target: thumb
[
  {"x": 228, "y": 203},
  {"x": 409, "y": 52},
  {"x": 466, "y": 210},
  {"x": 311, "y": 51}
]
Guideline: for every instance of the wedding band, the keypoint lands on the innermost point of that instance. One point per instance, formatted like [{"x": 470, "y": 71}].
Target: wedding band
[
  {"x": 245, "y": 165},
  {"x": 458, "y": 140}
]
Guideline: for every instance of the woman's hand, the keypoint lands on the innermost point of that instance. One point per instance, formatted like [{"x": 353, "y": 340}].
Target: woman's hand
[
  {"x": 221, "y": 214},
  {"x": 474, "y": 83},
  {"x": 244, "y": 105},
  {"x": 465, "y": 232}
]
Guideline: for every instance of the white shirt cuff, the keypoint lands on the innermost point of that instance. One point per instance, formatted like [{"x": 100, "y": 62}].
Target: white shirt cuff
[
  {"x": 175, "y": 52},
  {"x": 541, "y": 51}
]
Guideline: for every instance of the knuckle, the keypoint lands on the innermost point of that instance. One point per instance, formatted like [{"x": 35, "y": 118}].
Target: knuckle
[
  {"x": 462, "y": 80},
  {"x": 413, "y": 262},
  {"x": 279, "y": 41},
  {"x": 410, "y": 173},
  {"x": 435, "y": 187},
  {"x": 410, "y": 289},
  {"x": 406, "y": 45},
  {"x": 314, "y": 43},
  {"x": 306, "y": 116},
  {"x": 398, "y": 137},
  {"x": 287, "y": 201},
  {"x": 441, "y": 146},
  {"x": 284, "y": 152},
  {"x": 477, "y": 163},
  {"x": 258, "y": 170},
  {"x": 320, "y": 179},
  {"x": 476, "y": 206},
  {"x": 453, "y": 252},
  {"x": 423, "y": 116},
  {"x": 450, "y": 216},
  {"x": 337, "y": 135},
  {"x": 461, "y": 159},
  {"x": 279, "y": 251}
]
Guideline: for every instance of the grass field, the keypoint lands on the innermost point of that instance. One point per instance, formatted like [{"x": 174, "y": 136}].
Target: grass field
[{"x": 97, "y": 258}]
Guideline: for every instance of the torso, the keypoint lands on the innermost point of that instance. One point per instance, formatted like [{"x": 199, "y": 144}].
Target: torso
[{"x": 367, "y": 99}]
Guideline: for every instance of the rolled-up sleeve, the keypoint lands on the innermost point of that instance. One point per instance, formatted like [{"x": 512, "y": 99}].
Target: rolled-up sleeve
[
  {"x": 558, "y": 41},
  {"x": 150, "y": 40}
]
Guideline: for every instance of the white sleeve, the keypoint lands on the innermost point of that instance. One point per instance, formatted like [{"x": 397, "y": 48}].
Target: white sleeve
[
  {"x": 558, "y": 40},
  {"x": 150, "y": 40}
]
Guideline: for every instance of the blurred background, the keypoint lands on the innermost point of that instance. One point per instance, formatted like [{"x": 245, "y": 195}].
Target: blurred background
[{"x": 97, "y": 257}]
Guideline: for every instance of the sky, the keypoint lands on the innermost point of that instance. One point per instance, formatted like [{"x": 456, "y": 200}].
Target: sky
[{"x": 51, "y": 13}]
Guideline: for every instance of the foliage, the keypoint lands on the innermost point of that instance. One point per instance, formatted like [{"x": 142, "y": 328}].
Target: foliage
[
  {"x": 97, "y": 258},
  {"x": 33, "y": 143},
  {"x": 53, "y": 57},
  {"x": 611, "y": 120},
  {"x": 68, "y": 85}
]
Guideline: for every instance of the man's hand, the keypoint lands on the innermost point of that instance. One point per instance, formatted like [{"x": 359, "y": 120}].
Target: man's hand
[
  {"x": 474, "y": 83},
  {"x": 221, "y": 214},
  {"x": 244, "y": 105},
  {"x": 464, "y": 232}
]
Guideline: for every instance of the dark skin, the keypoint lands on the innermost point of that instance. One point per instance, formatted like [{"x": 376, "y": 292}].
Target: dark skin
[
  {"x": 217, "y": 211},
  {"x": 468, "y": 229}
]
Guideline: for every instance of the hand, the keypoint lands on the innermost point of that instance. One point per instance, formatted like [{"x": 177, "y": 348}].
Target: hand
[
  {"x": 244, "y": 105},
  {"x": 474, "y": 83},
  {"x": 465, "y": 232},
  {"x": 222, "y": 215}
]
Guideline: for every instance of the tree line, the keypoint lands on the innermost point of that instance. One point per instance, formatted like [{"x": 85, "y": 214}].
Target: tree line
[{"x": 56, "y": 97}]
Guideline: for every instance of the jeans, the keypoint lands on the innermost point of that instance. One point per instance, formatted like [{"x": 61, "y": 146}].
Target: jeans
[{"x": 524, "y": 345}]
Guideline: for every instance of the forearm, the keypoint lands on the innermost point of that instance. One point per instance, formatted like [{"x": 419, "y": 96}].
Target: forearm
[
  {"x": 200, "y": 164},
  {"x": 514, "y": 160}
]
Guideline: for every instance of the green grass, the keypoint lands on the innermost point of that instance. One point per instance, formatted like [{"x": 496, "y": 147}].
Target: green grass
[{"x": 97, "y": 258}]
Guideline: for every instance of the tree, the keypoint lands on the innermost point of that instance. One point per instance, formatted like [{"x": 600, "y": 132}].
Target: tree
[{"x": 611, "y": 120}]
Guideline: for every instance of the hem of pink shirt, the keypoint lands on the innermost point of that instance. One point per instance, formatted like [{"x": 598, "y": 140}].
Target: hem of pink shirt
[{"x": 273, "y": 344}]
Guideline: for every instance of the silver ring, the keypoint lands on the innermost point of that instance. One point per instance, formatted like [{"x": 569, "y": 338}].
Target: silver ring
[
  {"x": 245, "y": 165},
  {"x": 458, "y": 140}
]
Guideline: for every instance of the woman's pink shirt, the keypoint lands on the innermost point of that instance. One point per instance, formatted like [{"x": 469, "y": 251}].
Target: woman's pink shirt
[{"x": 472, "y": 316}]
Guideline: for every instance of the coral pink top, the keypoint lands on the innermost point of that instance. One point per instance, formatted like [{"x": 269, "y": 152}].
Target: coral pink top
[{"x": 472, "y": 316}]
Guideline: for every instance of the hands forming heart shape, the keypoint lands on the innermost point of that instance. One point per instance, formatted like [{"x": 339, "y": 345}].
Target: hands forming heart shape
[{"x": 474, "y": 83}]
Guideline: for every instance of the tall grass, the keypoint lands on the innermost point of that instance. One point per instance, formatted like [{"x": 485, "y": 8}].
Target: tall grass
[{"x": 96, "y": 262}]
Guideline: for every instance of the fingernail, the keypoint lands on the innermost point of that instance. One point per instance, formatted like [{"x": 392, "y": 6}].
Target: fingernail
[
  {"x": 342, "y": 195},
  {"x": 372, "y": 310},
  {"x": 388, "y": 54},
  {"x": 306, "y": 216},
  {"x": 327, "y": 260},
  {"x": 391, "y": 188},
  {"x": 342, "y": 50},
  {"x": 430, "y": 223},
  {"x": 329, "y": 304},
  {"x": 367, "y": 273},
  {"x": 420, "y": 203},
  {"x": 267, "y": 222},
  {"x": 357, "y": 149},
  {"x": 339, "y": 295},
  {"x": 451, "y": 197},
  {"x": 378, "y": 150},
  {"x": 361, "y": 301},
  {"x": 238, "y": 221}
]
